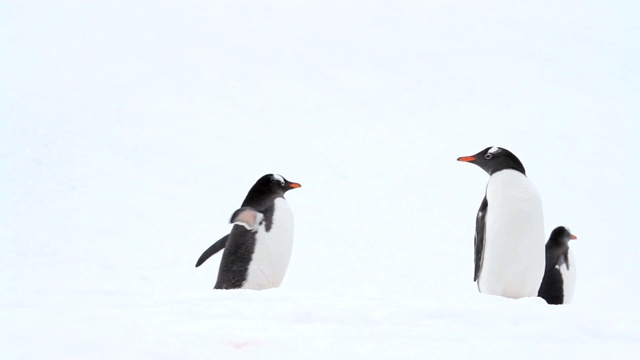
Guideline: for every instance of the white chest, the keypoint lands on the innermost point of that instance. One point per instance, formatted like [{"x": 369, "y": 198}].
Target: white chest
[
  {"x": 568, "y": 278},
  {"x": 272, "y": 250},
  {"x": 514, "y": 252}
]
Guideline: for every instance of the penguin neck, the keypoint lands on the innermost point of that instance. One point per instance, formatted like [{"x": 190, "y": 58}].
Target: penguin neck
[
  {"x": 558, "y": 246},
  {"x": 260, "y": 201},
  {"x": 517, "y": 166}
]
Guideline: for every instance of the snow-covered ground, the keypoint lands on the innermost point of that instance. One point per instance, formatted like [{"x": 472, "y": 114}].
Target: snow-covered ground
[{"x": 131, "y": 131}]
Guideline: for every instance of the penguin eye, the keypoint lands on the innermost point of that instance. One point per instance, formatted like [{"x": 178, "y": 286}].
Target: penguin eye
[{"x": 488, "y": 156}]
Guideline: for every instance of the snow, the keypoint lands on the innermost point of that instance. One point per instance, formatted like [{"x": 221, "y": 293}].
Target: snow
[{"x": 126, "y": 130}]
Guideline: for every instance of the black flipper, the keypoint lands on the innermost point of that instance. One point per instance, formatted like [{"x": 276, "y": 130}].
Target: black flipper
[
  {"x": 479, "y": 238},
  {"x": 217, "y": 246}
]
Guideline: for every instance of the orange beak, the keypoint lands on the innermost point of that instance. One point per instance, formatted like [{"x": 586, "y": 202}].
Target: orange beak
[
  {"x": 294, "y": 185},
  {"x": 573, "y": 237},
  {"x": 467, "y": 158}
]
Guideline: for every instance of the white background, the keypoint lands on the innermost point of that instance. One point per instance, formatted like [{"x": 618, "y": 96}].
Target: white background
[{"x": 131, "y": 132}]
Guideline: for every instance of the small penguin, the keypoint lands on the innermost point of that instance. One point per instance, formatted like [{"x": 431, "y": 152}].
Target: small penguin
[
  {"x": 560, "y": 272},
  {"x": 509, "y": 238},
  {"x": 258, "y": 248}
]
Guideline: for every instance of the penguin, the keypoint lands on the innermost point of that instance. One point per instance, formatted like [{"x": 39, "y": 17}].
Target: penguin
[
  {"x": 258, "y": 248},
  {"x": 509, "y": 238},
  {"x": 559, "y": 278}
]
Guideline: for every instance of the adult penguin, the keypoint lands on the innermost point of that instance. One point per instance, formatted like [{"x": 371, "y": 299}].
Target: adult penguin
[
  {"x": 258, "y": 248},
  {"x": 509, "y": 238}
]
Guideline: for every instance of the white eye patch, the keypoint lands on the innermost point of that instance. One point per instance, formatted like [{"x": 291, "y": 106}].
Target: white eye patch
[
  {"x": 278, "y": 177},
  {"x": 494, "y": 150}
]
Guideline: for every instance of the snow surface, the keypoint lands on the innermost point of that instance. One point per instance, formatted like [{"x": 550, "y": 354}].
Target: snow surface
[{"x": 129, "y": 133}]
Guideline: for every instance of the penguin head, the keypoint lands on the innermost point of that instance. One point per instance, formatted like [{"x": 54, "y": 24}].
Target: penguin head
[
  {"x": 561, "y": 236},
  {"x": 274, "y": 184},
  {"x": 494, "y": 159},
  {"x": 278, "y": 183}
]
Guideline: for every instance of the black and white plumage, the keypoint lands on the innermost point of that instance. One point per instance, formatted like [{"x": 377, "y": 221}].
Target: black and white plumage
[
  {"x": 258, "y": 248},
  {"x": 559, "y": 279},
  {"x": 509, "y": 238}
]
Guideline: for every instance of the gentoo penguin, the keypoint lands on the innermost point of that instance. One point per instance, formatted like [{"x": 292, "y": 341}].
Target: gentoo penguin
[
  {"x": 258, "y": 248},
  {"x": 560, "y": 272},
  {"x": 509, "y": 239}
]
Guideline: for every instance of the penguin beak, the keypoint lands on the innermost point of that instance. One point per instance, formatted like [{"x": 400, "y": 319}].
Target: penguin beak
[
  {"x": 293, "y": 185},
  {"x": 467, "y": 158},
  {"x": 573, "y": 237}
]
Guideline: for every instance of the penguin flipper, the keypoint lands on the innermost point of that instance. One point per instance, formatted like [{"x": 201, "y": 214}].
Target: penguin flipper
[
  {"x": 248, "y": 217},
  {"x": 479, "y": 237},
  {"x": 217, "y": 246}
]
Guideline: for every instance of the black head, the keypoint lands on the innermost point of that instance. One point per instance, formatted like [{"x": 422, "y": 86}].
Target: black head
[
  {"x": 561, "y": 236},
  {"x": 494, "y": 159},
  {"x": 268, "y": 186}
]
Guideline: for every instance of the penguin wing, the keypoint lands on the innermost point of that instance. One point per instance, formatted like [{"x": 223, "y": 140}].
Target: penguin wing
[
  {"x": 479, "y": 238},
  {"x": 217, "y": 246}
]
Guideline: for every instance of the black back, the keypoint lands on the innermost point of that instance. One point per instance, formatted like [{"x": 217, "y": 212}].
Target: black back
[
  {"x": 557, "y": 254},
  {"x": 494, "y": 159},
  {"x": 236, "y": 258}
]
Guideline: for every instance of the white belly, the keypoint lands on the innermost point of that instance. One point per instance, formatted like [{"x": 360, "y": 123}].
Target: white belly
[
  {"x": 272, "y": 251},
  {"x": 568, "y": 278},
  {"x": 514, "y": 252}
]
